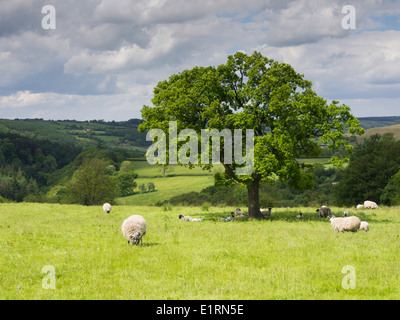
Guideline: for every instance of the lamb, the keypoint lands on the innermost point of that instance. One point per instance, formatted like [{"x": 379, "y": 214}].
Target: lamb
[
  {"x": 324, "y": 211},
  {"x": 360, "y": 206},
  {"x": 134, "y": 228},
  {"x": 364, "y": 226},
  {"x": 266, "y": 213},
  {"x": 346, "y": 213},
  {"x": 370, "y": 205},
  {"x": 299, "y": 216},
  {"x": 107, "y": 207},
  {"x": 183, "y": 218},
  {"x": 346, "y": 224}
]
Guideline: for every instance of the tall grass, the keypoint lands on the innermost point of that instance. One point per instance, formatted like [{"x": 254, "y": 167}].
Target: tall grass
[{"x": 279, "y": 258}]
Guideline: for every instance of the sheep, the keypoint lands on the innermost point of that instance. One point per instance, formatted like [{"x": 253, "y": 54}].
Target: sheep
[
  {"x": 324, "y": 211},
  {"x": 228, "y": 218},
  {"x": 134, "y": 228},
  {"x": 364, "y": 226},
  {"x": 346, "y": 213},
  {"x": 197, "y": 219},
  {"x": 107, "y": 207},
  {"x": 346, "y": 224},
  {"x": 299, "y": 216},
  {"x": 183, "y": 218},
  {"x": 239, "y": 212},
  {"x": 360, "y": 206},
  {"x": 266, "y": 213},
  {"x": 370, "y": 205}
]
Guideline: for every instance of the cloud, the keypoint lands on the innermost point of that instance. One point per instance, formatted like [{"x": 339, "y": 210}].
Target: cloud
[{"x": 104, "y": 57}]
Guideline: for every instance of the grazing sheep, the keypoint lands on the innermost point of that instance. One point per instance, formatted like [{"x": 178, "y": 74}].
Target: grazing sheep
[
  {"x": 107, "y": 207},
  {"x": 324, "y": 211},
  {"x": 266, "y": 213},
  {"x": 183, "y": 218},
  {"x": 364, "y": 226},
  {"x": 134, "y": 228},
  {"x": 346, "y": 213},
  {"x": 299, "y": 216},
  {"x": 370, "y": 205},
  {"x": 346, "y": 224},
  {"x": 360, "y": 206}
]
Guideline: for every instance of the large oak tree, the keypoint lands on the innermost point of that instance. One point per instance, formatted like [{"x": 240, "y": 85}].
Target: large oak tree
[{"x": 253, "y": 92}]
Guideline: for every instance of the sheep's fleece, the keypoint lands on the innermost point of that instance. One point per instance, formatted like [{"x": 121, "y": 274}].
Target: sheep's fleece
[
  {"x": 346, "y": 224},
  {"x": 134, "y": 228}
]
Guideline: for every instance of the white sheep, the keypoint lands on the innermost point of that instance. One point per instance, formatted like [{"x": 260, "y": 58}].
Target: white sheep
[
  {"x": 346, "y": 224},
  {"x": 183, "y": 218},
  {"x": 134, "y": 228},
  {"x": 364, "y": 226},
  {"x": 324, "y": 211},
  {"x": 360, "y": 206},
  {"x": 266, "y": 213},
  {"x": 107, "y": 207},
  {"x": 239, "y": 212},
  {"x": 299, "y": 216},
  {"x": 370, "y": 205}
]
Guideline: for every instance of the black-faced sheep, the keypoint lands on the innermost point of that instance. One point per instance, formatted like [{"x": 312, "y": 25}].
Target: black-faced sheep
[
  {"x": 183, "y": 218},
  {"x": 107, "y": 207},
  {"x": 266, "y": 213},
  {"x": 134, "y": 228},
  {"x": 324, "y": 211}
]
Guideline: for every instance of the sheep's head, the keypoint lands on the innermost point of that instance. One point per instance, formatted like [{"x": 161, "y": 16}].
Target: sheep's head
[
  {"x": 135, "y": 238},
  {"x": 180, "y": 216}
]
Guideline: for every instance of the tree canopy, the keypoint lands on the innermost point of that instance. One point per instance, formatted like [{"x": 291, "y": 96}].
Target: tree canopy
[
  {"x": 371, "y": 167},
  {"x": 289, "y": 120}
]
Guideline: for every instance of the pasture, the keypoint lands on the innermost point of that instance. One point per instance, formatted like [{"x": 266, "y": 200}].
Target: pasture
[{"x": 279, "y": 258}]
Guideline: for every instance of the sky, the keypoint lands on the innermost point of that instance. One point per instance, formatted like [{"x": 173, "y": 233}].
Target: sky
[{"x": 101, "y": 59}]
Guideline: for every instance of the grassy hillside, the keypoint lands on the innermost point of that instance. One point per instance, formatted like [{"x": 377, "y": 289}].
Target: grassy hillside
[
  {"x": 178, "y": 180},
  {"x": 394, "y": 129},
  {"x": 281, "y": 258}
]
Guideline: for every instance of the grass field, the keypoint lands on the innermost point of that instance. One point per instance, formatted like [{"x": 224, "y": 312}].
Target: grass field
[
  {"x": 178, "y": 180},
  {"x": 277, "y": 259}
]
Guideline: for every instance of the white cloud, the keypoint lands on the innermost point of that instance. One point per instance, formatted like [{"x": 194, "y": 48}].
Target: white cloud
[{"x": 105, "y": 57}]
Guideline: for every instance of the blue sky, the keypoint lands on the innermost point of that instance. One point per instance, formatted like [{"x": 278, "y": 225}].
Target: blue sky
[{"x": 105, "y": 57}]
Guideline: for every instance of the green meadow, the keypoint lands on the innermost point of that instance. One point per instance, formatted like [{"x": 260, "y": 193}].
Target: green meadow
[{"x": 279, "y": 258}]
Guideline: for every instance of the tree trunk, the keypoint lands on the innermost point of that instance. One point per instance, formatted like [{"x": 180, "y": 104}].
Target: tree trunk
[{"x": 254, "y": 199}]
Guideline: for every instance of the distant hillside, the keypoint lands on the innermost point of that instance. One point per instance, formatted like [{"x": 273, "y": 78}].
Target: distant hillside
[
  {"x": 111, "y": 135},
  {"x": 374, "y": 122},
  {"x": 395, "y": 129}
]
